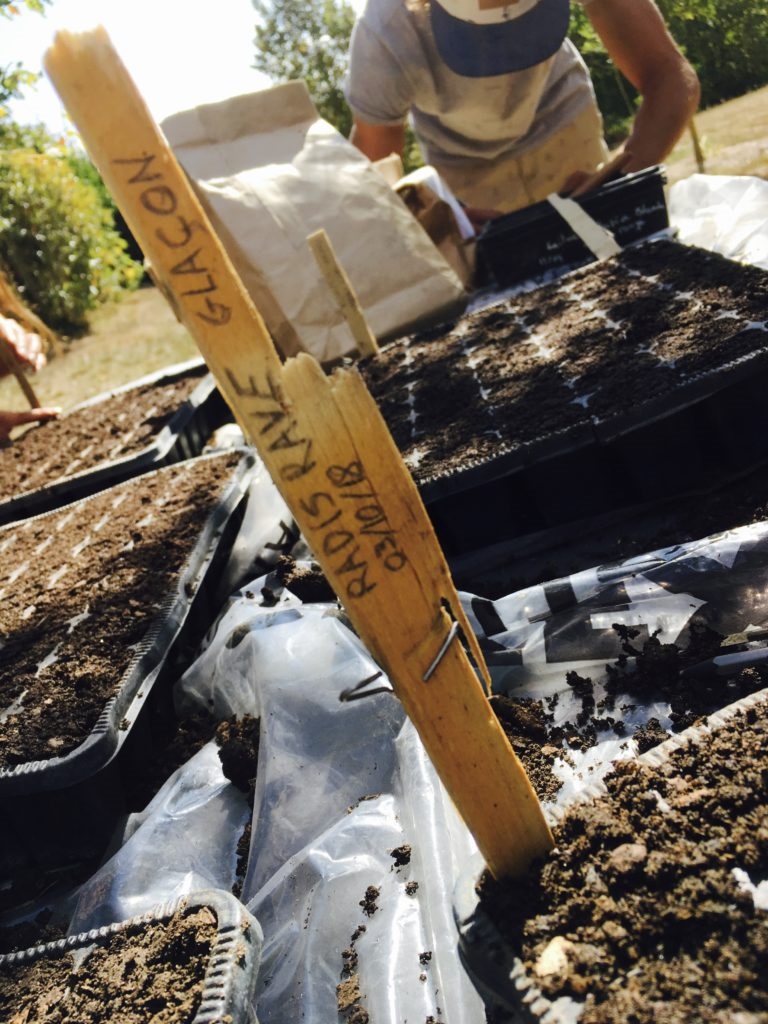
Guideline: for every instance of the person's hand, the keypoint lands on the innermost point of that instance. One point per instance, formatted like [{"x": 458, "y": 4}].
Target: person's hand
[
  {"x": 9, "y": 420},
  {"x": 27, "y": 346},
  {"x": 581, "y": 182},
  {"x": 479, "y": 217}
]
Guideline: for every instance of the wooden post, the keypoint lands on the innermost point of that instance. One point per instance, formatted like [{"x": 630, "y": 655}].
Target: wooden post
[
  {"x": 340, "y": 285},
  {"x": 12, "y": 365},
  {"x": 329, "y": 452},
  {"x": 698, "y": 151}
]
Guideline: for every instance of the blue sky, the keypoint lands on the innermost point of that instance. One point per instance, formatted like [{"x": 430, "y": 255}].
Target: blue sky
[{"x": 179, "y": 52}]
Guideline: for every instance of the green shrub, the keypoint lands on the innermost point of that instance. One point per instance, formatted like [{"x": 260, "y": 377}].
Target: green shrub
[
  {"x": 58, "y": 243},
  {"x": 725, "y": 40}
]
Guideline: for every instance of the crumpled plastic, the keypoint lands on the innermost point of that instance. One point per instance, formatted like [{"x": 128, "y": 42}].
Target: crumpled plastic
[
  {"x": 340, "y": 786},
  {"x": 533, "y": 637},
  {"x": 184, "y": 840},
  {"x": 344, "y": 788},
  {"x": 725, "y": 213}
]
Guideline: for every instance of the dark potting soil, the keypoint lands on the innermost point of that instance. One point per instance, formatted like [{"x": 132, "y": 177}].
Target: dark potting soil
[
  {"x": 80, "y": 588},
  {"x": 348, "y": 994},
  {"x": 594, "y": 345},
  {"x": 655, "y": 675},
  {"x": 238, "y": 743},
  {"x": 151, "y": 973},
  {"x": 83, "y": 439},
  {"x": 307, "y": 581},
  {"x": 644, "y": 910}
]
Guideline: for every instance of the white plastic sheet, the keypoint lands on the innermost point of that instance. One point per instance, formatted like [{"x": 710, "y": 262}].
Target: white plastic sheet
[
  {"x": 725, "y": 213},
  {"x": 185, "y": 840},
  {"x": 339, "y": 787},
  {"x": 533, "y": 637}
]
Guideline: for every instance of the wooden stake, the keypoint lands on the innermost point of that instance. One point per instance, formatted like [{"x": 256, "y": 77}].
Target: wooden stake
[
  {"x": 340, "y": 285},
  {"x": 329, "y": 451},
  {"x": 12, "y": 365},
  {"x": 698, "y": 150}
]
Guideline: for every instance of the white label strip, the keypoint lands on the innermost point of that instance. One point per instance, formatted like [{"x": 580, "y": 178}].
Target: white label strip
[{"x": 596, "y": 238}]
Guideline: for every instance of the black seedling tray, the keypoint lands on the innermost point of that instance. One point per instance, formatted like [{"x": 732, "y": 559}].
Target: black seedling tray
[
  {"x": 536, "y": 240},
  {"x": 703, "y": 427},
  {"x": 712, "y": 431},
  {"x": 230, "y": 977},
  {"x": 183, "y": 436},
  {"x": 64, "y": 809}
]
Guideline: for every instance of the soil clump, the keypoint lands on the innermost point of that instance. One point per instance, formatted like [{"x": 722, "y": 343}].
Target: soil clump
[
  {"x": 646, "y": 908},
  {"x": 647, "y": 674}
]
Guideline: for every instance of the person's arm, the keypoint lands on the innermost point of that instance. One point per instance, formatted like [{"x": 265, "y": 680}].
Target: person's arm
[
  {"x": 26, "y": 345},
  {"x": 9, "y": 420},
  {"x": 377, "y": 141},
  {"x": 637, "y": 40}
]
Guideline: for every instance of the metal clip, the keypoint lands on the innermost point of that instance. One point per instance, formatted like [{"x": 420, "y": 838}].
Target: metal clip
[
  {"x": 441, "y": 653},
  {"x": 358, "y": 693}
]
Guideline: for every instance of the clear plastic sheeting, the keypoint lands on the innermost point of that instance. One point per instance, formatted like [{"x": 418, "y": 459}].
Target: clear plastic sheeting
[
  {"x": 355, "y": 846},
  {"x": 184, "y": 840},
  {"x": 532, "y": 638},
  {"x": 340, "y": 787},
  {"x": 267, "y": 531},
  {"x": 724, "y": 213}
]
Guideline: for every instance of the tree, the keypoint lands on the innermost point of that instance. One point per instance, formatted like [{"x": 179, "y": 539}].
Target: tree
[
  {"x": 13, "y": 77},
  {"x": 58, "y": 243},
  {"x": 309, "y": 40},
  {"x": 725, "y": 41}
]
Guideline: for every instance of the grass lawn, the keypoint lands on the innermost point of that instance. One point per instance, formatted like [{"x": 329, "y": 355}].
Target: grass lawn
[
  {"x": 128, "y": 339},
  {"x": 140, "y": 334},
  {"x": 733, "y": 137}
]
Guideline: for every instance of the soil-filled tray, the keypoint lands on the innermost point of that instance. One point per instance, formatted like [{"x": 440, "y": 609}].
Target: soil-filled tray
[
  {"x": 536, "y": 240},
  {"x": 93, "y": 597},
  {"x": 149, "y": 423},
  {"x": 193, "y": 961},
  {"x": 544, "y": 409},
  {"x": 653, "y": 904}
]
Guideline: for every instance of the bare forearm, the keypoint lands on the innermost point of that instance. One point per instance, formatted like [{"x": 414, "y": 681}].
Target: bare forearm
[
  {"x": 666, "y": 109},
  {"x": 378, "y": 141},
  {"x": 638, "y": 42}
]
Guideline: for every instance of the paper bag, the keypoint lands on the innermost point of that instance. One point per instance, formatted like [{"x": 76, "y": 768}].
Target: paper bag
[
  {"x": 441, "y": 215},
  {"x": 269, "y": 172}
]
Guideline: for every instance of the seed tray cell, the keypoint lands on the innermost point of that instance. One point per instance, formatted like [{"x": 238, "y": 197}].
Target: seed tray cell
[
  {"x": 620, "y": 384},
  {"x": 103, "y": 627},
  {"x": 149, "y": 423}
]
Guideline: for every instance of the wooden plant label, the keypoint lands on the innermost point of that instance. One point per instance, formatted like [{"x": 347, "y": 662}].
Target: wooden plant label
[
  {"x": 329, "y": 452},
  {"x": 342, "y": 289},
  {"x": 13, "y": 366}
]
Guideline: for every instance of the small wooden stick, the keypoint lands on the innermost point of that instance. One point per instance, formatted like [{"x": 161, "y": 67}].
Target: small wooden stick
[
  {"x": 340, "y": 285},
  {"x": 698, "y": 149},
  {"x": 328, "y": 450},
  {"x": 12, "y": 365}
]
